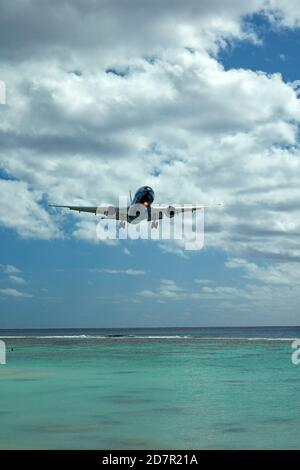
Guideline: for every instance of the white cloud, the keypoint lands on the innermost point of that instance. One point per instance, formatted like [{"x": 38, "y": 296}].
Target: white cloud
[
  {"x": 9, "y": 292},
  {"x": 21, "y": 211},
  {"x": 147, "y": 293},
  {"x": 173, "y": 247},
  {"x": 223, "y": 291},
  {"x": 176, "y": 120},
  {"x": 203, "y": 281},
  {"x": 282, "y": 12},
  {"x": 17, "y": 279},
  {"x": 10, "y": 269},
  {"x": 276, "y": 274},
  {"x": 128, "y": 272},
  {"x": 167, "y": 290},
  {"x": 230, "y": 126},
  {"x": 124, "y": 26},
  {"x": 134, "y": 272}
]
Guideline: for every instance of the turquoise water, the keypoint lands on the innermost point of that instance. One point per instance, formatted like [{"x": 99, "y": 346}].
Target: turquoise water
[{"x": 160, "y": 389}]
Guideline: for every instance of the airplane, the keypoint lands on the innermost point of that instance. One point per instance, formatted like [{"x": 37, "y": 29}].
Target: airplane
[{"x": 141, "y": 208}]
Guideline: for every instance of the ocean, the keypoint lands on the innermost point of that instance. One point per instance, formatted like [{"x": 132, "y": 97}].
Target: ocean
[{"x": 167, "y": 388}]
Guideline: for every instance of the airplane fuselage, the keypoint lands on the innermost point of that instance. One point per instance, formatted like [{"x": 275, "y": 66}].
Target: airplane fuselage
[{"x": 141, "y": 205}]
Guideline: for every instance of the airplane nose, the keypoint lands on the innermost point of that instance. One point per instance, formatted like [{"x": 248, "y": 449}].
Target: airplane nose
[{"x": 149, "y": 190}]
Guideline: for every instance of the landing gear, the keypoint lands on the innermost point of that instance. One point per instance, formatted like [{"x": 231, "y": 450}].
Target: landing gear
[
  {"x": 154, "y": 224},
  {"x": 122, "y": 224}
]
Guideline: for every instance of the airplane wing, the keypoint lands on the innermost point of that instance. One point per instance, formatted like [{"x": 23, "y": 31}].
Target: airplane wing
[
  {"x": 108, "y": 212},
  {"x": 92, "y": 210},
  {"x": 163, "y": 210},
  {"x": 157, "y": 212}
]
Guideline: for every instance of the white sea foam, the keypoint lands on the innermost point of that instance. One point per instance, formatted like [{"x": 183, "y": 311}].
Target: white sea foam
[
  {"x": 52, "y": 337},
  {"x": 167, "y": 337}
]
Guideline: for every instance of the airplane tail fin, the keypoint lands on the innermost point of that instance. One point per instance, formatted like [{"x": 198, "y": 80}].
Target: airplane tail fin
[{"x": 130, "y": 196}]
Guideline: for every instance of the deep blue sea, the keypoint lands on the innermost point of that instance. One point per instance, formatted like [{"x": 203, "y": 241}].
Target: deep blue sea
[{"x": 168, "y": 388}]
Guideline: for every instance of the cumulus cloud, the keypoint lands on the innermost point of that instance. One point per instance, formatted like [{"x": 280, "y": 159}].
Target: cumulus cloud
[
  {"x": 285, "y": 13},
  {"x": 131, "y": 93},
  {"x": 22, "y": 212},
  {"x": 38, "y": 27}
]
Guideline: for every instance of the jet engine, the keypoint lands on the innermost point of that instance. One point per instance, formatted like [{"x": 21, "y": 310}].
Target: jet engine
[
  {"x": 110, "y": 211},
  {"x": 170, "y": 212}
]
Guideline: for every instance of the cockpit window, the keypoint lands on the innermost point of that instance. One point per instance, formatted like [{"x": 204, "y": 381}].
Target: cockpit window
[{"x": 144, "y": 188}]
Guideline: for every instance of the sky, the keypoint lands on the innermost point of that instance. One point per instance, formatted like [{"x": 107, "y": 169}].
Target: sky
[{"x": 196, "y": 99}]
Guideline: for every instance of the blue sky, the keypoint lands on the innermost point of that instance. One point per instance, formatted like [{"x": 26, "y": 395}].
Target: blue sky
[
  {"x": 277, "y": 53},
  {"x": 211, "y": 117}
]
